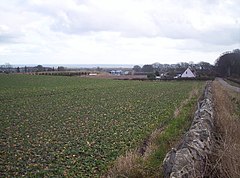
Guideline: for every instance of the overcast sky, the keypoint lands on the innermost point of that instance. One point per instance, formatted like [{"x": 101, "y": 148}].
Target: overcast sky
[{"x": 117, "y": 31}]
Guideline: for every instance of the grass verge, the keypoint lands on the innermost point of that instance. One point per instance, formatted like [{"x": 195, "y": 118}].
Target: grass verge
[
  {"x": 149, "y": 164},
  {"x": 226, "y": 160}
]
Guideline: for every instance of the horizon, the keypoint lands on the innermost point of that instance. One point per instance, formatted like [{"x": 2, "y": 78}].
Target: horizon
[
  {"x": 76, "y": 65},
  {"x": 93, "y": 65}
]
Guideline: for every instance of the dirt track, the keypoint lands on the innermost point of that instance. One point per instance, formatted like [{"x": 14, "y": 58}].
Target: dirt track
[{"x": 224, "y": 83}]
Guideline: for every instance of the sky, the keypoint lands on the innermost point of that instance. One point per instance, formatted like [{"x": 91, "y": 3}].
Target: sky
[{"x": 117, "y": 31}]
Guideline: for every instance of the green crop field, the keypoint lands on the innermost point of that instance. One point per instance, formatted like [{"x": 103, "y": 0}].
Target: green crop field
[{"x": 58, "y": 126}]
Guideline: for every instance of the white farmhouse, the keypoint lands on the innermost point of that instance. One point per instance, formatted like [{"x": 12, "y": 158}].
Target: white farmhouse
[{"x": 188, "y": 73}]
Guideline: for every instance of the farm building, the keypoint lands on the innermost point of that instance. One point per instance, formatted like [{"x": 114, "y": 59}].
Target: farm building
[
  {"x": 188, "y": 73},
  {"x": 117, "y": 72}
]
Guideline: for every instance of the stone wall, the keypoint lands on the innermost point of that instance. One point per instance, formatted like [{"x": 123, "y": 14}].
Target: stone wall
[{"x": 189, "y": 158}]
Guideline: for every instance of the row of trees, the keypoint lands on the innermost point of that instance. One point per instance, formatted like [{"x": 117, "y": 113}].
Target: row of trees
[
  {"x": 228, "y": 64},
  {"x": 203, "y": 68},
  {"x": 165, "y": 67},
  {"x": 8, "y": 68}
]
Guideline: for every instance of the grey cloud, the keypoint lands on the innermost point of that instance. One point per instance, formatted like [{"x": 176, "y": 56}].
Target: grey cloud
[
  {"x": 172, "y": 25},
  {"x": 81, "y": 23},
  {"x": 163, "y": 22},
  {"x": 7, "y": 39},
  {"x": 77, "y": 21},
  {"x": 175, "y": 27},
  {"x": 175, "y": 30},
  {"x": 10, "y": 38},
  {"x": 221, "y": 36}
]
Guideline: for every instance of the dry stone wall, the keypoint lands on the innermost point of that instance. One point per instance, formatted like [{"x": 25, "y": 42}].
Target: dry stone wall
[{"x": 189, "y": 159}]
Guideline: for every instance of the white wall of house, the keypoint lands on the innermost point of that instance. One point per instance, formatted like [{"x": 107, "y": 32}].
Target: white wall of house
[{"x": 188, "y": 74}]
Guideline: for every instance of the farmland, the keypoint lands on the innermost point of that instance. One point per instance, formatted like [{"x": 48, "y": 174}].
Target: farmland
[{"x": 76, "y": 127}]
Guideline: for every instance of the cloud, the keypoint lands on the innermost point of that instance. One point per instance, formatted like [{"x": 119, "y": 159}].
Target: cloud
[
  {"x": 7, "y": 36},
  {"x": 221, "y": 36},
  {"x": 81, "y": 31},
  {"x": 172, "y": 19}
]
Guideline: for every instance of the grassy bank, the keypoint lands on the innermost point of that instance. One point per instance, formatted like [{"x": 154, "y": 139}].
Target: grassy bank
[{"x": 225, "y": 161}]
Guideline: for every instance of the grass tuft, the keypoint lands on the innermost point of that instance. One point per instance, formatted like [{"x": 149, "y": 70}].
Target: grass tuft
[{"x": 225, "y": 162}]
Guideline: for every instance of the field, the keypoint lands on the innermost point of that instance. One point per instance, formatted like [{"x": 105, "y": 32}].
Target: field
[{"x": 76, "y": 127}]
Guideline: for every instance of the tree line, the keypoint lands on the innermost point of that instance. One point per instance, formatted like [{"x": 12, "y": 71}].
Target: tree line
[
  {"x": 228, "y": 64},
  {"x": 202, "y": 68}
]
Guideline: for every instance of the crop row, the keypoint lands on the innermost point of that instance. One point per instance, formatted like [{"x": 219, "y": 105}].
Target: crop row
[{"x": 77, "y": 127}]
